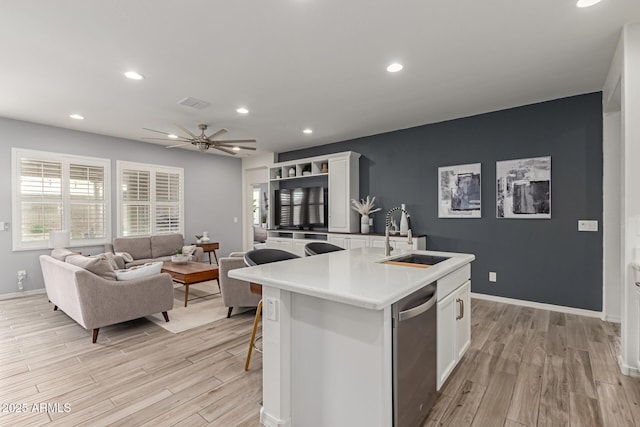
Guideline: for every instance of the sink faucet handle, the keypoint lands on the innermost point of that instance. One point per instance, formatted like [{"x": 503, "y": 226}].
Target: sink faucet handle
[{"x": 409, "y": 237}]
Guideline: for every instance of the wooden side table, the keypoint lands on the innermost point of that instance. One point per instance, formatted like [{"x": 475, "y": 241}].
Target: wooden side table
[{"x": 209, "y": 248}]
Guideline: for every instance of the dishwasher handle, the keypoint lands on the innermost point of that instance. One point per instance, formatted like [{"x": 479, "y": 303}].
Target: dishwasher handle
[{"x": 416, "y": 311}]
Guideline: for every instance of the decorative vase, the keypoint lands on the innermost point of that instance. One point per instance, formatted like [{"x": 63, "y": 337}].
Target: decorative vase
[
  {"x": 404, "y": 223},
  {"x": 292, "y": 172},
  {"x": 198, "y": 241},
  {"x": 205, "y": 237},
  {"x": 325, "y": 168},
  {"x": 180, "y": 259},
  {"x": 364, "y": 224}
]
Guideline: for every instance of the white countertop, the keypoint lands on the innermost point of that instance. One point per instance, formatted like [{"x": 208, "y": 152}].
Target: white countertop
[{"x": 353, "y": 276}]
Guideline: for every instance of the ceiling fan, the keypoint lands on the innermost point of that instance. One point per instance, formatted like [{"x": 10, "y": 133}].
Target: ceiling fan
[{"x": 203, "y": 142}]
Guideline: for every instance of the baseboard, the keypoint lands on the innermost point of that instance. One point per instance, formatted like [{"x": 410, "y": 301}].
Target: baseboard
[
  {"x": 22, "y": 294},
  {"x": 550, "y": 307},
  {"x": 271, "y": 421},
  {"x": 612, "y": 319},
  {"x": 628, "y": 370}
]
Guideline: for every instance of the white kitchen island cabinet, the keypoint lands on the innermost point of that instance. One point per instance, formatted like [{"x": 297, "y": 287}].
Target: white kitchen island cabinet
[{"x": 327, "y": 334}]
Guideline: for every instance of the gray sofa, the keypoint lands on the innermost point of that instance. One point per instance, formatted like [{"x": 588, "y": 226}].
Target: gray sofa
[
  {"x": 94, "y": 301},
  {"x": 235, "y": 293},
  {"x": 149, "y": 249}
]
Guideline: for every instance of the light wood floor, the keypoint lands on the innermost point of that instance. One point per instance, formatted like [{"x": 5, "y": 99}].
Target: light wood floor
[{"x": 525, "y": 367}]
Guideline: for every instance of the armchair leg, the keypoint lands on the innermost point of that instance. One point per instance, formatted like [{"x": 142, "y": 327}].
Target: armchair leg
[
  {"x": 95, "y": 335},
  {"x": 55, "y": 308},
  {"x": 166, "y": 316},
  {"x": 253, "y": 335},
  {"x": 229, "y": 312}
]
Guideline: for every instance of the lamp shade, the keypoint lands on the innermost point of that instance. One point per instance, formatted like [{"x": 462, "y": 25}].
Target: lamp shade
[{"x": 58, "y": 239}]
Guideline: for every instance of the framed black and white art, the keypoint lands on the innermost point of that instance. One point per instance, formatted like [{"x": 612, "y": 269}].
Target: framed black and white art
[
  {"x": 523, "y": 188},
  {"x": 459, "y": 191}
]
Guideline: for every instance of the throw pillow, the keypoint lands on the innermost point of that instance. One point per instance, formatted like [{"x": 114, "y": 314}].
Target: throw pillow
[
  {"x": 110, "y": 257},
  {"x": 61, "y": 253},
  {"x": 139, "y": 271},
  {"x": 188, "y": 250},
  {"x": 98, "y": 265},
  {"x": 125, "y": 256}
]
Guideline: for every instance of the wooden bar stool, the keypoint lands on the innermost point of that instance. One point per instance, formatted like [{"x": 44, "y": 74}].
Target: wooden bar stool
[{"x": 258, "y": 257}]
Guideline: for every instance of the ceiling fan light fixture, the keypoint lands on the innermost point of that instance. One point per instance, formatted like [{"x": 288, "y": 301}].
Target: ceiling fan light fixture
[
  {"x": 172, "y": 136},
  {"x": 202, "y": 146},
  {"x": 236, "y": 148},
  {"x": 133, "y": 75}
]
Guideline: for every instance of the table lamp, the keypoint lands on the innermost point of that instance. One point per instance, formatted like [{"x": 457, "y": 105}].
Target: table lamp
[{"x": 58, "y": 239}]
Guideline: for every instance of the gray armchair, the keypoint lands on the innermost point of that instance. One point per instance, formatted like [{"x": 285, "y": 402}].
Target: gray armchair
[{"x": 235, "y": 293}]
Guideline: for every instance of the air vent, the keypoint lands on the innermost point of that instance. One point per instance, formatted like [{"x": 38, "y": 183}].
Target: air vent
[{"x": 194, "y": 103}]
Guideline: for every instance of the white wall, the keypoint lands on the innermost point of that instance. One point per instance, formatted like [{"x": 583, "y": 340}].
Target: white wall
[{"x": 213, "y": 190}]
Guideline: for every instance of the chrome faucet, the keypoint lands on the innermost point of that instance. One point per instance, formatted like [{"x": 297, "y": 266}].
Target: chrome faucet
[{"x": 387, "y": 245}]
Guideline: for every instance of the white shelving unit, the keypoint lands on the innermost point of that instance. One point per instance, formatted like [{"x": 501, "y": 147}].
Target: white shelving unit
[{"x": 342, "y": 174}]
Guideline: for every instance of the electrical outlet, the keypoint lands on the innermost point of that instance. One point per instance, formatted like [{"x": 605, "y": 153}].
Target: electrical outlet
[
  {"x": 587, "y": 225},
  {"x": 272, "y": 309},
  {"x": 493, "y": 276}
]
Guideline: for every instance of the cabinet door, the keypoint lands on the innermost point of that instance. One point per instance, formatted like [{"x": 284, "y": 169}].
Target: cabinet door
[
  {"x": 463, "y": 319},
  {"x": 447, "y": 352},
  {"x": 358, "y": 242},
  {"x": 378, "y": 242},
  {"x": 338, "y": 241},
  {"x": 339, "y": 203}
]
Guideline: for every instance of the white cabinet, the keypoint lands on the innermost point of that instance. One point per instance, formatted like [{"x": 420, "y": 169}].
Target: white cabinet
[
  {"x": 280, "y": 243},
  {"x": 454, "y": 322},
  {"x": 399, "y": 242},
  {"x": 348, "y": 241},
  {"x": 344, "y": 181}
]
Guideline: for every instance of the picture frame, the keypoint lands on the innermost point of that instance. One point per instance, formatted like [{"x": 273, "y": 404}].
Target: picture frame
[
  {"x": 523, "y": 188},
  {"x": 459, "y": 191}
]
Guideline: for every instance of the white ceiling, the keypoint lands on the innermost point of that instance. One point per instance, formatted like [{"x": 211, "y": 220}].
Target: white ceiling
[{"x": 296, "y": 63}]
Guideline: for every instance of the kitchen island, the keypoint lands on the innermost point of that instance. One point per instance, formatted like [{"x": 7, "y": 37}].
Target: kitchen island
[{"x": 327, "y": 333}]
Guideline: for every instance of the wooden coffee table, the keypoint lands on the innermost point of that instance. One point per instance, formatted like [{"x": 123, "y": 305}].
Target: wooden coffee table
[{"x": 190, "y": 273}]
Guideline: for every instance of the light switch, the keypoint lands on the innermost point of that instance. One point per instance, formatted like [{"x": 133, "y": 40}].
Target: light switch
[
  {"x": 4, "y": 226},
  {"x": 587, "y": 225}
]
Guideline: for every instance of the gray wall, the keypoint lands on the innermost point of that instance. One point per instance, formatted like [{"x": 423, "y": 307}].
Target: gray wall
[
  {"x": 213, "y": 189},
  {"x": 546, "y": 261}
]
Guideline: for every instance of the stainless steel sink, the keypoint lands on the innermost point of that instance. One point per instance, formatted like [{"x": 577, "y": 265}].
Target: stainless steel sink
[{"x": 420, "y": 259}]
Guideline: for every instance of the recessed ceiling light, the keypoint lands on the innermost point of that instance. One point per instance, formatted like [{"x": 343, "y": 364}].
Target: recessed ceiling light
[
  {"x": 133, "y": 75},
  {"x": 76, "y": 116},
  {"x": 586, "y": 3},
  {"x": 236, "y": 148},
  {"x": 394, "y": 68},
  {"x": 172, "y": 136},
  {"x": 242, "y": 110},
  {"x": 307, "y": 130}
]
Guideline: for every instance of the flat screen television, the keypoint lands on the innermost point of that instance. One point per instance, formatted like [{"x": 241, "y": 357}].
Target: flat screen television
[{"x": 300, "y": 208}]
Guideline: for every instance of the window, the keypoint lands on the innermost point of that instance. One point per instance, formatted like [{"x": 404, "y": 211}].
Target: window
[
  {"x": 257, "y": 209},
  {"x": 53, "y": 191},
  {"x": 150, "y": 199}
]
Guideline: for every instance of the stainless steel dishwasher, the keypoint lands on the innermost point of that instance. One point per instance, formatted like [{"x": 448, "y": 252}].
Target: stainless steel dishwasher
[{"x": 414, "y": 356}]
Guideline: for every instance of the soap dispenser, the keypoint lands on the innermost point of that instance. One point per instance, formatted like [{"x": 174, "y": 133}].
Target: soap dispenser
[{"x": 404, "y": 223}]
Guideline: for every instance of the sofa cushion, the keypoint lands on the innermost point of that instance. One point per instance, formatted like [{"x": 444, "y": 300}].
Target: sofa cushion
[
  {"x": 164, "y": 245},
  {"x": 62, "y": 253},
  {"x": 140, "y": 271},
  {"x": 138, "y": 247},
  {"x": 98, "y": 265}
]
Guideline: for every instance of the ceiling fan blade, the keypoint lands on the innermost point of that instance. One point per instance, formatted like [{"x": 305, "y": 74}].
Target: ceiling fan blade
[
  {"x": 217, "y": 134},
  {"x": 225, "y": 150},
  {"x": 159, "y": 131},
  {"x": 185, "y": 130},
  {"x": 236, "y": 141},
  {"x": 239, "y": 146},
  {"x": 180, "y": 139},
  {"x": 178, "y": 145}
]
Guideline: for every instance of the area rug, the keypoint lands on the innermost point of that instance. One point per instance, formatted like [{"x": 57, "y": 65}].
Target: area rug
[{"x": 204, "y": 306}]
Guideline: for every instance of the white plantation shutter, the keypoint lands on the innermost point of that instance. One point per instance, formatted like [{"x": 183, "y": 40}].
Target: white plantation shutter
[
  {"x": 151, "y": 199},
  {"x": 40, "y": 195},
  {"x": 168, "y": 200},
  {"x": 135, "y": 191},
  {"x": 87, "y": 200},
  {"x": 53, "y": 191}
]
